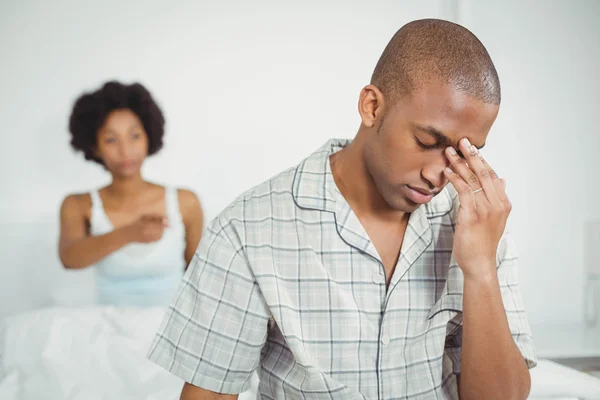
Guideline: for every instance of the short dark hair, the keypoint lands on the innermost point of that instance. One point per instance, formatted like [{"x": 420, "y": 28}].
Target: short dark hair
[
  {"x": 91, "y": 109},
  {"x": 436, "y": 49}
]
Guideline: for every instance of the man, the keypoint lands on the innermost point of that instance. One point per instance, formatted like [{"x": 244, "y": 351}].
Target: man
[{"x": 359, "y": 274}]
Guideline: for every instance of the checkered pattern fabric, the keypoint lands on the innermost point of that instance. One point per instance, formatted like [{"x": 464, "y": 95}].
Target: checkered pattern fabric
[{"x": 286, "y": 282}]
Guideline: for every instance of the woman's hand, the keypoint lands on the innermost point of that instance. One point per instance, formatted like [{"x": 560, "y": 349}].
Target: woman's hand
[{"x": 149, "y": 228}]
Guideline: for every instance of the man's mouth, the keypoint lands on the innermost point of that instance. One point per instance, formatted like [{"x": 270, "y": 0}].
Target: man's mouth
[
  {"x": 422, "y": 191},
  {"x": 419, "y": 195}
]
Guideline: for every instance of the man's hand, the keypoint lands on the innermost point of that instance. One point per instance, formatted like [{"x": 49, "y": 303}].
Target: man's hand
[
  {"x": 191, "y": 392},
  {"x": 484, "y": 209},
  {"x": 492, "y": 366}
]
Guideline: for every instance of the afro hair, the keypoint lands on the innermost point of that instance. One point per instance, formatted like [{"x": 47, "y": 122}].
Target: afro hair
[{"x": 91, "y": 110}]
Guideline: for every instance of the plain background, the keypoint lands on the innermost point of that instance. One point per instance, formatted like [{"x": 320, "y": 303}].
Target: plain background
[{"x": 250, "y": 88}]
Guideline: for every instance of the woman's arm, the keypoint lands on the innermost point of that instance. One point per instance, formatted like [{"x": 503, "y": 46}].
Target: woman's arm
[
  {"x": 76, "y": 248},
  {"x": 193, "y": 219}
]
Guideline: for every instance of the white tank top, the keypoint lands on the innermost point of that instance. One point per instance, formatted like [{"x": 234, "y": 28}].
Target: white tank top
[{"x": 141, "y": 274}]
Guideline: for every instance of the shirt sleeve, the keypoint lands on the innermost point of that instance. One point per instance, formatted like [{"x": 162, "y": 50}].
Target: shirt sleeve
[
  {"x": 212, "y": 334},
  {"x": 508, "y": 276}
]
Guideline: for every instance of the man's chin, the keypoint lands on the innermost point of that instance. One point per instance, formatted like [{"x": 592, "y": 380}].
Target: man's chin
[{"x": 402, "y": 204}]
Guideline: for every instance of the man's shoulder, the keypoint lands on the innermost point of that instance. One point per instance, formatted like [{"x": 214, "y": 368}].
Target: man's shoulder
[
  {"x": 278, "y": 186},
  {"x": 263, "y": 199},
  {"x": 277, "y": 197}
]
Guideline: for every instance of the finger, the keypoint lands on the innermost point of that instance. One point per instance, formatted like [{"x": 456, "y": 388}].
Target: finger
[
  {"x": 476, "y": 165},
  {"x": 460, "y": 167},
  {"x": 463, "y": 171},
  {"x": 493, "y": 175},
  {"x": 502, "y": 193},
  {"x": 465, "y": 192},
  {"x": 499, "y": 183},
  {"x": 157, "y": 219}
]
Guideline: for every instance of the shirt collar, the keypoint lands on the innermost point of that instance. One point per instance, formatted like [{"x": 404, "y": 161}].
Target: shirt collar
[{"x": 315, "y": 188}]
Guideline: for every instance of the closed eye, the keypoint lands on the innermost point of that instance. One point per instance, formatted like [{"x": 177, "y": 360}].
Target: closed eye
[
  {"x": 427, "y": 146},
  {"x": 435, "y": 146}
]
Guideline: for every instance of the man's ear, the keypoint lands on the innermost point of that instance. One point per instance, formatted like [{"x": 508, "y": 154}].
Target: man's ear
[{"x": 371, "y": 105}]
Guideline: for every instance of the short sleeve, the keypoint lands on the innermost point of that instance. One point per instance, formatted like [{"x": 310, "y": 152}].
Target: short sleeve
[
  {"x": 212, "y": 334},
  {"x": 508, "y": 276}
]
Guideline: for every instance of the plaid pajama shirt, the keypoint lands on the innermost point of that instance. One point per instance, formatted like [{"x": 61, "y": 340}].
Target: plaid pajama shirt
[{"x": 286, "y": 282}]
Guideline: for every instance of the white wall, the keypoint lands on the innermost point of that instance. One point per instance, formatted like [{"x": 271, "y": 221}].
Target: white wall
[
  {"x": 250, "y": 88},
  {"x": 546, "y": 139}
]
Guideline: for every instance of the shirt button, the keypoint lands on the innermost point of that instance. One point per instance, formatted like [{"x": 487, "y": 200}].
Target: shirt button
[
  {"x": 378, "y": 278},
  {"x": 385, "y": 338}
]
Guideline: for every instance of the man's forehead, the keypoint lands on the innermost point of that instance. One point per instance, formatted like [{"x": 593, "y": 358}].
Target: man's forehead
[{"x": 438, "y": 97}]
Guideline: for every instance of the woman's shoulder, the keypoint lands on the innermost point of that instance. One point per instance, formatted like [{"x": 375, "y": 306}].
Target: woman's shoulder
[
  {"x": 184, "y": 196},
  {"x": 189, "y": 204},
  {"x": 78, "y": 199},
  {"x": 187, "y": 198},
  {"x": 77, "y": 203}
]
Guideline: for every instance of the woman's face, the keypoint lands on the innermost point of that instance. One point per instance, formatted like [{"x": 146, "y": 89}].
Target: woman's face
[{"x": 122, "y": 143}]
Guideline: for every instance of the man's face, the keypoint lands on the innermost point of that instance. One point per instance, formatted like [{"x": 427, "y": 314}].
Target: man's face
[{"x": 404, "y": 151}]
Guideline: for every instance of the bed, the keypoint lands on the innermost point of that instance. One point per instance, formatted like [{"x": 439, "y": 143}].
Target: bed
[
  {"x": 91, "y": 353},
  {"x": 56, "y": 344},
  {"x": 98, "y": 353}
]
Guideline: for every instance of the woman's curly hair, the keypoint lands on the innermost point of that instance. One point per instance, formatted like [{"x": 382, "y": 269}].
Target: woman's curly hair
[{"x": 91, "y": 109}]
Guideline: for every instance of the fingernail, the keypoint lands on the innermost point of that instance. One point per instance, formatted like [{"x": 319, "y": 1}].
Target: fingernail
[
  {"x": 467, "y": 143},
  {"x": 448, "y": 170},
  {"x": 452, "y": 151}
]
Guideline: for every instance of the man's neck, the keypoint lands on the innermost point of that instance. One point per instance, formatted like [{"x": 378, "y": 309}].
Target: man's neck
[{"x": 356, "y": 184}]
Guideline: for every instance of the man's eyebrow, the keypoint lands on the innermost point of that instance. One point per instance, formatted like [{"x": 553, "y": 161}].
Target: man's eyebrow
[{"x": 442, "y": 139}]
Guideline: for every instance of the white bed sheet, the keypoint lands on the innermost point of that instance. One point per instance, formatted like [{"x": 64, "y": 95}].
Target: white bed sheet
[
  {"x": 550, "y": 380},
  {"x": 99, "y": 353},
  {"x": 93, "y": 353}
]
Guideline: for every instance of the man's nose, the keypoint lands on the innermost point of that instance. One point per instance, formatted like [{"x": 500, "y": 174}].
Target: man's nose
[{"x": 434, "y": 172}]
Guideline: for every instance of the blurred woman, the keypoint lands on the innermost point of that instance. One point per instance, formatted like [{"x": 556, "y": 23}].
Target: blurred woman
[{"x": 138, "y": 235}]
